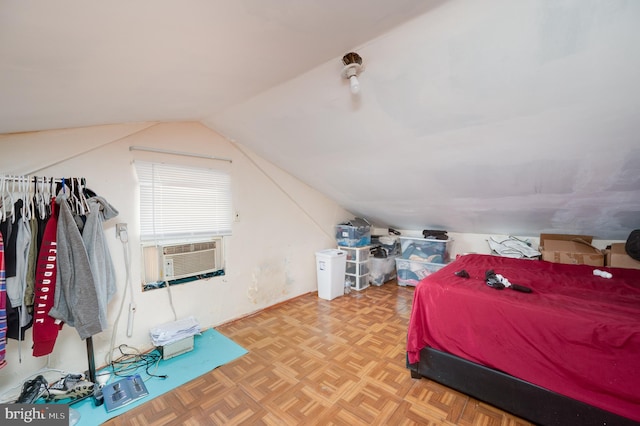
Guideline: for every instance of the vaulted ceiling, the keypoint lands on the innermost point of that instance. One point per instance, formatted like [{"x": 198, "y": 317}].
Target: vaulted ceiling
[{"x": 492, "y": 117}]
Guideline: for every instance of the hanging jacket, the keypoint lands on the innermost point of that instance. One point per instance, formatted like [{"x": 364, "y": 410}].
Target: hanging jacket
[
  {"x": 9, "y": 229},
  {"x": 32, "y": 260},
  {"x": 95, "y": 243},
  {"x": 18, "y": 319},
  {"x": 75, "y": 301},
  {"x": 3, "y": 311},
  {"x": 17, "y": 284},
  {"x": 45, "y": 328}
]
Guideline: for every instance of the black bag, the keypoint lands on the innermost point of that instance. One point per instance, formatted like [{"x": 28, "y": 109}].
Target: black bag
[
  {"x": 632, "y": 245},
  {"x": 434, "y": 234}
]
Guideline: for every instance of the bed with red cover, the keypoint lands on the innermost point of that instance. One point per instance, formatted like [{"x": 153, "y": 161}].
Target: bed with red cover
[{"x": 566, "y": 353}]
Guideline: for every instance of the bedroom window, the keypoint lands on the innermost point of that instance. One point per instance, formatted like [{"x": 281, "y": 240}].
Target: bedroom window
[{"x": 184, "y": 214}]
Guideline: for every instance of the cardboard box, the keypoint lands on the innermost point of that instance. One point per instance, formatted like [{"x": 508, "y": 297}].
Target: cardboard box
[
  {"x": 570, "y": 249},
  {"x": 617, "y": 257}
]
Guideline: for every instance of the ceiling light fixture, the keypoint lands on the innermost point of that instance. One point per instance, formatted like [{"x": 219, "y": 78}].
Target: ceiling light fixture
[{"x": 352, "y": 68}]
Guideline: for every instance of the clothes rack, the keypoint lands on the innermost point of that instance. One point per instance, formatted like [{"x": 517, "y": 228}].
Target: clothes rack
[{"x": 36, "y": 193}]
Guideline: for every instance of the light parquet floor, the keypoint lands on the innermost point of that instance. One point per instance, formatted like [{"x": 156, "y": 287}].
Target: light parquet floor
[{"x": 318, "y": 362}]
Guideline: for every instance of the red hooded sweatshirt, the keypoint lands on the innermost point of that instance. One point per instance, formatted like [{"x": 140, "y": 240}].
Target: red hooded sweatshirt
[{"x": 45, "y": 328}]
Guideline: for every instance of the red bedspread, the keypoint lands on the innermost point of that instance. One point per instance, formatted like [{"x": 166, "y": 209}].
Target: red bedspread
[{"x": 576, "y": 334}]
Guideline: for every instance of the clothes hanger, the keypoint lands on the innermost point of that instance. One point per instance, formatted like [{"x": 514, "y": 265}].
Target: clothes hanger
[
  {"x": 47, "y": 191},
  {"x": 82, "y": 205},
  {"x": 36, "y": 198},
  {"x": 50, "y": 195},
  {"x": 82, "y": 191},
  {"x": 69, "y": 196},
  {"x": 77, "y": 193},
  {"x": 13, "y": 204},
  {"x": 24, "y": 191},
  {"x": 73, "y": 202},
  {"x": 3, "y": 209},
  {"x": 19, "y": 182},
  {"x": 30, "y": 194},
  {"x": 60, "y": 186},
  {"x": 87, "y": 192}
]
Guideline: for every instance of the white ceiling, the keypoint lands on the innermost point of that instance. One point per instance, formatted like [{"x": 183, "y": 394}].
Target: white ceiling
[{"x": 491, "y": 117}]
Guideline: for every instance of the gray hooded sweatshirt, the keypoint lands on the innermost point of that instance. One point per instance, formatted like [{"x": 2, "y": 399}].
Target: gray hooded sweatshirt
[
  {"x": 95, "y": 243},
  {"x": 75, "y": 299}
]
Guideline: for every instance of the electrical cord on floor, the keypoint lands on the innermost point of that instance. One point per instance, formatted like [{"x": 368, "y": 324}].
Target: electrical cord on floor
[
  {"x": 130, "y": 360},
  {"x": 10, "y": 395}
]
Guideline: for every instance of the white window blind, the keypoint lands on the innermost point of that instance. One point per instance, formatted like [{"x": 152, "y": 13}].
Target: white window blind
[{"x": 179, "y": 202}]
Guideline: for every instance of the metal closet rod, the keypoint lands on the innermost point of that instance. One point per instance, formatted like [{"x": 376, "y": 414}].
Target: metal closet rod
[
  {"x": 185, "y": 154},
  {"x": 37, "y": 179}
]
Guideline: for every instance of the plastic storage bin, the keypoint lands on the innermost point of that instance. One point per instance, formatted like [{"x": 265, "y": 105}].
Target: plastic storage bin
[
  {"x": 425, "y": 250},
  {"x": 411, "y": 272},
  {"x": 382, "y": 270},
  {"x": 331, "y": 267},
  {"x": 357, "y": 282},
  {"x": 356, "y": 254},
  {"x": 358, "y": 268},
  {"x": 353, "y": 236},
  {"x": 389, "y": 243}
]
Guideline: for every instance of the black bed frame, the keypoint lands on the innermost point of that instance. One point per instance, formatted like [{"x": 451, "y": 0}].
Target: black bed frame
[{"x": 520, "y": 398}]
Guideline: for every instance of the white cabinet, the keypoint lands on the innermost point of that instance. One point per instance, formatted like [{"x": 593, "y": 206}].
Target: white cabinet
[{"x": 357, "y": 269}]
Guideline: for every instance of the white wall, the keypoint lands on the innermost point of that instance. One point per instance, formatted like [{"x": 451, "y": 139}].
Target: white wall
[{"x": 270, "y": 257}]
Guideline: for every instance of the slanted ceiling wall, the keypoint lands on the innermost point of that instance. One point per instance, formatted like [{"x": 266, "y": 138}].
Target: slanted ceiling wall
[
  {"x": 493, "y": 116},
  {"x": 496, "y": 116}
]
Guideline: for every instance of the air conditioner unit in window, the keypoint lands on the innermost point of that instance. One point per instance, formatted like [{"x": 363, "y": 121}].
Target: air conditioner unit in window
[{"x": 175, "y": 261}]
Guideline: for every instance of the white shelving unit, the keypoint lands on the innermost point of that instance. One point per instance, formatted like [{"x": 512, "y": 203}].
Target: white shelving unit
[{"x": 357, "y": 270}]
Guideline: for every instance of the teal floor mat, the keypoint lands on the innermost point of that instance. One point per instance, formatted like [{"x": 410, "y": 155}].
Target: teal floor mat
[{"x": 211, "y": 350}]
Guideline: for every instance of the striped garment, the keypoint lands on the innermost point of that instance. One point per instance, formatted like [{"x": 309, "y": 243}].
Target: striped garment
[{"x": 3, "y": 306}]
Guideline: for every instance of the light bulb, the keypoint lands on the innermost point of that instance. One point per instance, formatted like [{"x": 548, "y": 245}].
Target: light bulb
[{"x": 354, "y": 84}]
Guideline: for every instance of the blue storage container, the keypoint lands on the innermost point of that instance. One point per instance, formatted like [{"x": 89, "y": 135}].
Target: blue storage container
[{"x": 353, "y": 236}]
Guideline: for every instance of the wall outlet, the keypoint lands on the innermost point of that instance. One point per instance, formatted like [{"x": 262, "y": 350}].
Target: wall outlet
[{"x": 121, "y": 230}]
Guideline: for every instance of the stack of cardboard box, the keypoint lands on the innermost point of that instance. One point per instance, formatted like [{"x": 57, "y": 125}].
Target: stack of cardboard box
[
  {"x": 571, "y": 249},
  {"x": 578, "y": 250},
  {"x": 617, "y": 257}
]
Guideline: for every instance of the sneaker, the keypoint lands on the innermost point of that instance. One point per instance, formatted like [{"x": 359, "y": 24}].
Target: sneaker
[
  {"x": 492, "y": 280},
  {"x": 32, "y": 390},
  {"x": 71, "y": 386}
]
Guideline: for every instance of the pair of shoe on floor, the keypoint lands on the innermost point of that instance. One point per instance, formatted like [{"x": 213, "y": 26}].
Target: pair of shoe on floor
[{"x": 71, "y": 386}]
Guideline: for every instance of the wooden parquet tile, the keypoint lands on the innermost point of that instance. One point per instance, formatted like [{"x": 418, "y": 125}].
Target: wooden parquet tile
[{"x": 318, "y": 362}]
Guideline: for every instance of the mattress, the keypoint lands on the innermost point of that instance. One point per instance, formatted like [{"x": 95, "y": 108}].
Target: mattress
[{"x": 576, "y": 333}]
